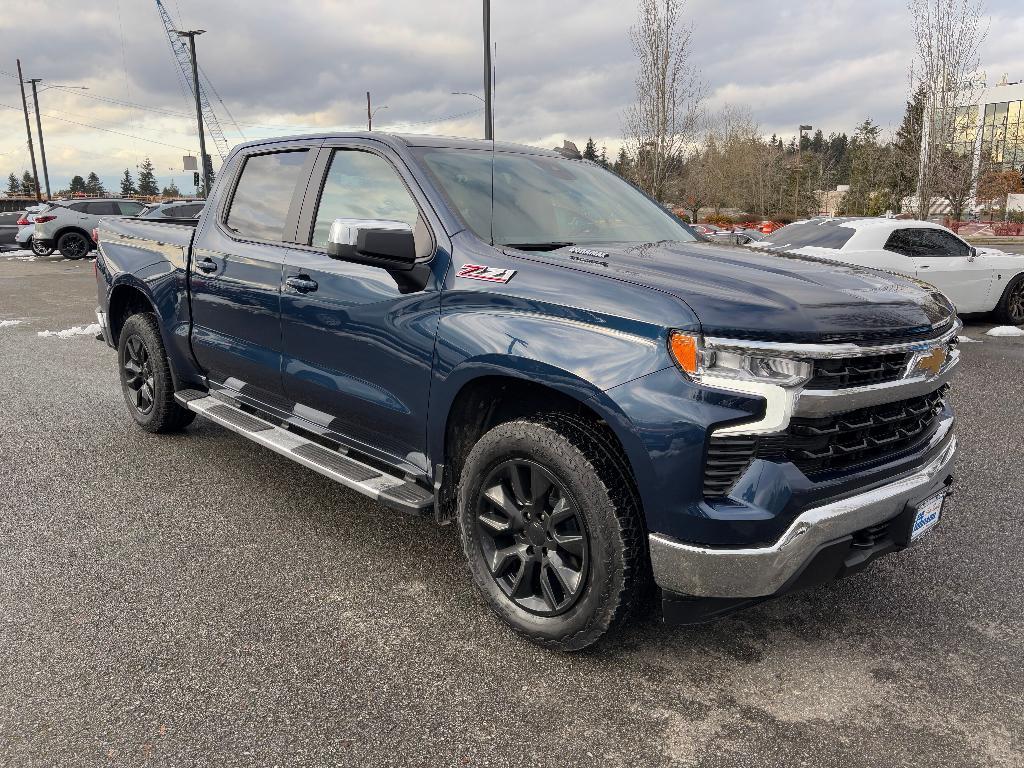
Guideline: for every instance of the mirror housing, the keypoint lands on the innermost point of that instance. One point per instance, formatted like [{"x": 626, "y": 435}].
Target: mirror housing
[
  {"x": 972, "y": 254},
  {"x": 375, "y": 242}
]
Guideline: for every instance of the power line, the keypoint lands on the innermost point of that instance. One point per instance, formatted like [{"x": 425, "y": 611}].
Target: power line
[{"x": 106, "y": 130}]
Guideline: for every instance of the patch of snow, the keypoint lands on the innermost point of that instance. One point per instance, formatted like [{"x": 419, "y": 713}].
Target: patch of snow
[
  {"x": 78, "y": 330},
  {"x": 9, "y": 323},
  {"x": 1005, "y": 330},
  {"x": 967, "y": 340}
]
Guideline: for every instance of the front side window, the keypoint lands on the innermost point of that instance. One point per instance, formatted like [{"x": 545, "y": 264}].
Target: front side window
[
  {"x": 130, "y": 209},
  {"x": 361, "y": 185},
  {"x": 544, "y": 202},
  {"x": 102, "y": 209},
  {"x": 264, "y": 193},
  {"x": 942, "y": 243}
]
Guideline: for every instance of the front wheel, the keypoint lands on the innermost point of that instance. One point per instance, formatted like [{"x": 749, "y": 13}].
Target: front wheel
[
  {"x": 1011, "y": 306},
  {"x": 551, "y": 528},
  {"x": 74, "y": 245},
  {"x": 146, "y": 377}
]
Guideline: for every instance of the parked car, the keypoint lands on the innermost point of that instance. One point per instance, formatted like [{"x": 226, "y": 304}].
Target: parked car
[
  {"x": 177, "y": 209},
  {"x": 974, "y": 279},
  {"x": 26, "y": 228},
  {"x": 9, "y": 227},
  {"x": 529, "y": 346},
  {"x": 66, "y": 225},
  {"x": 721, "y": 235}
]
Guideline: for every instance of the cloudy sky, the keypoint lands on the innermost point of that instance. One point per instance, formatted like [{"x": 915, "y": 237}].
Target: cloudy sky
[{"x": 564, "y": 70}]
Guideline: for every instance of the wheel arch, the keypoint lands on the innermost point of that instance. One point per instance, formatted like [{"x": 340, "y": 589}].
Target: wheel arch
[
  {"x": 493, "y": 394},
  {"x": 126, "y": 299},
  {"x": 72, "y": 228}
]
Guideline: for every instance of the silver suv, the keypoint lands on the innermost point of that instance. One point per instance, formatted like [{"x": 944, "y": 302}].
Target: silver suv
[{"x": 67, "y": 224}]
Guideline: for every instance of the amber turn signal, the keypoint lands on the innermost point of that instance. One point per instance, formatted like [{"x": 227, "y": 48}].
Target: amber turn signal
[{"x": 685, "y": 351}]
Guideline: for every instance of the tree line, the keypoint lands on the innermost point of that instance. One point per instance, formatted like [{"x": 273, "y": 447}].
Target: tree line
[
  {"x": 681, "y": 153},
  {"x": 145, "y": 184}
]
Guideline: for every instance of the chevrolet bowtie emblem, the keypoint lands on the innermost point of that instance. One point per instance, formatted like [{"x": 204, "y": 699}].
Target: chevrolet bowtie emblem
[{"x": 930, "y": 362}]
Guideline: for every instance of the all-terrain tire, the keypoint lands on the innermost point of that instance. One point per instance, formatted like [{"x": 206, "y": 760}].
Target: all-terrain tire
[
  {"x": 584, "y": 458},
  {"x": 146, "y": 377},
  {"x": 1010, "y": 309},
  {"x": 74, "y": 245}
]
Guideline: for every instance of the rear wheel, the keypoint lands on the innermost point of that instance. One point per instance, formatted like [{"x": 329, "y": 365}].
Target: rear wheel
[
  {"x": 38, "y": 249},
  {"x": 551, "y": 528},
  {"x": 1011, "y": 306},
  {"x": 74, "y": 245},
  {"x": 146, "y": 377}
]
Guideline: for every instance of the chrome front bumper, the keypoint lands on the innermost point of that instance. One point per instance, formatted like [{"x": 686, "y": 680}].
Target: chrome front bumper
[{"x": 761, "y": 571}]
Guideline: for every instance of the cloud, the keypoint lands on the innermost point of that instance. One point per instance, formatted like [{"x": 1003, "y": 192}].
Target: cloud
[{"x": 563, "y": 70}]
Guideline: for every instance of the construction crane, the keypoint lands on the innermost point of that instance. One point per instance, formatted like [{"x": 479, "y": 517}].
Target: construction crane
[{"x": 181, "y": 55}]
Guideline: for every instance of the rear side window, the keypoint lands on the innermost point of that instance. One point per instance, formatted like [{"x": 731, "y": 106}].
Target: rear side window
[
  {"x": 130, "y": 209},
  {"x": 102, "y": 209},
  {"x": 264, "y": 193},
  {"x": 186, "y": 211},
  {"x": 821, "y": 234}
]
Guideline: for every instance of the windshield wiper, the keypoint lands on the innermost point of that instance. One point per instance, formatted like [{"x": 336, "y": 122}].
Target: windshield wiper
[{"x": 552, "y": 246}]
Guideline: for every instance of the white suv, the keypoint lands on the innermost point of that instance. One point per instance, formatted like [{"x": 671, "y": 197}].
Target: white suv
[{"x": 67, "y": 224}]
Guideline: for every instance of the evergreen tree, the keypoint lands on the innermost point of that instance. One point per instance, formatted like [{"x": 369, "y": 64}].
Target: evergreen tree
[
  {"x": 93, "y": 185},
  {"x": 171, "y": 190},
  {"x": 621, "y": 166},
  {"x": 590, "y": 152},
  {"x": 906, "y": 151},
  {"x": 13, "y": 187},
  {"x": 77, "y": 185},
  {"x": 603, "y": 159},
  {"x": 147, "y": 179},
  {"x": 128, "y": 184},
  {"x": 28, "y": 184}
]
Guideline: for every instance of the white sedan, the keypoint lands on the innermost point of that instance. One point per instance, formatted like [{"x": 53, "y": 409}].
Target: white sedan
[{"x": 974, "y": 279}]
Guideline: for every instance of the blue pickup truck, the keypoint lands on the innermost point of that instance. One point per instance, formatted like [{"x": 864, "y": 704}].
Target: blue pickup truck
[{"x": 527, "y": 345}]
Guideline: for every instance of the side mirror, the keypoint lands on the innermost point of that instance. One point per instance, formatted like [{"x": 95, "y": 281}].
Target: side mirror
[
  {"x": 375, "y": 242},
  {"x": 972, "y": 253}
]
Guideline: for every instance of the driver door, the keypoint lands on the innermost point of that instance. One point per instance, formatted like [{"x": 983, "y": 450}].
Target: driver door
[{"x": 947, "y": 262}]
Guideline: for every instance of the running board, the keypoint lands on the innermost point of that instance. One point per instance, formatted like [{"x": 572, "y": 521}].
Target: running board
[{"x": 396, "y": 492}]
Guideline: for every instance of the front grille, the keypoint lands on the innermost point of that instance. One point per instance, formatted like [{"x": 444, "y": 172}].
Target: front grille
[
  {"x": 843, "y": 372},
  {"x": 828, "y": 444}
]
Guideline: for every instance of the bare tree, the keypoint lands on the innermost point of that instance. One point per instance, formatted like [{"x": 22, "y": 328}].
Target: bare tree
[
  {"x": 948, "y": 35},
  {"x": 664, "y": 118}
]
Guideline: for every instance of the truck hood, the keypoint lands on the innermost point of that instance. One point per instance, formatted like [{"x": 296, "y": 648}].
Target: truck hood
[{"x": 744, "y": 293}]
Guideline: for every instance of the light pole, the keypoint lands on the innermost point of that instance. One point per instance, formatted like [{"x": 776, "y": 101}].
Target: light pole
[
  {"x": 488, "y": 111},
  {"x": 39, "y": 122},
  {"x": 799, "y": 143},
  {"x": 191, "y": 35}
]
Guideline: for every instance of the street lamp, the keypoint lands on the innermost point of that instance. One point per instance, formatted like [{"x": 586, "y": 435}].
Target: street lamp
[
  {"x": 39, "y": 122},
  {"x": 799, "y": 143}
]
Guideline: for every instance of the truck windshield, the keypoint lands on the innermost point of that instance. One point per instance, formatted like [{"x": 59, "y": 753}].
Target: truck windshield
[{"x": 543, "y": 202}]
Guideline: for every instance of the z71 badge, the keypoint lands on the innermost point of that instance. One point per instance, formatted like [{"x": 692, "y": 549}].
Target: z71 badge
[{"x": 489, "y": 274}]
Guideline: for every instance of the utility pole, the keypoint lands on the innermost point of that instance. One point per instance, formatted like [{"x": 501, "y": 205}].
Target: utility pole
[
  {"x": 369, "y": 114},
  {"x": 191, "y": 35},
  {"x": 488, "y": 79},
  {"x": 39, "y": 131},
  {"x": 28, "y": 130}
]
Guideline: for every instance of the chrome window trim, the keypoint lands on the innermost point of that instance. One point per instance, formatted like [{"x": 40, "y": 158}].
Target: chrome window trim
[{"x": 825, "y": 351}]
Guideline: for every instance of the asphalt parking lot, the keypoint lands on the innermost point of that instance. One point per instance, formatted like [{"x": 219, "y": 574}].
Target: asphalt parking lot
[{"x": 195, "y": 600}]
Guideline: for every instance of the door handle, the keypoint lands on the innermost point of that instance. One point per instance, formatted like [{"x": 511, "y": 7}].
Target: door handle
[
  {"x": 302, "y": 283},
  {"x": 206, "y": 265}
]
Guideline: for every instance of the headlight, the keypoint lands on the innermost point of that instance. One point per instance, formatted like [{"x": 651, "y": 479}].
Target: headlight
[{"x": 696, "y": 362}]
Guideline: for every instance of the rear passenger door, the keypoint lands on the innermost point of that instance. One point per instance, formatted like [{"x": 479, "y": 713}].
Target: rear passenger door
[
  {"x": 357, "y": 343},
  {"x": 235, "y": 272}
]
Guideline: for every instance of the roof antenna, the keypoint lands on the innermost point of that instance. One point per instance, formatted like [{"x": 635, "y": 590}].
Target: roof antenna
[{"x": 488, "y": 99}]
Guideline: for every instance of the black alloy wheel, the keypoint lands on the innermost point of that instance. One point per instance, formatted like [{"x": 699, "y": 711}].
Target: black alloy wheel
[
  {"x": 138, "y": 374},
  {"x": 74, "y": 245},
  {"x": 1015, "y": 303},
  {"x": 533, "y": 538}
]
